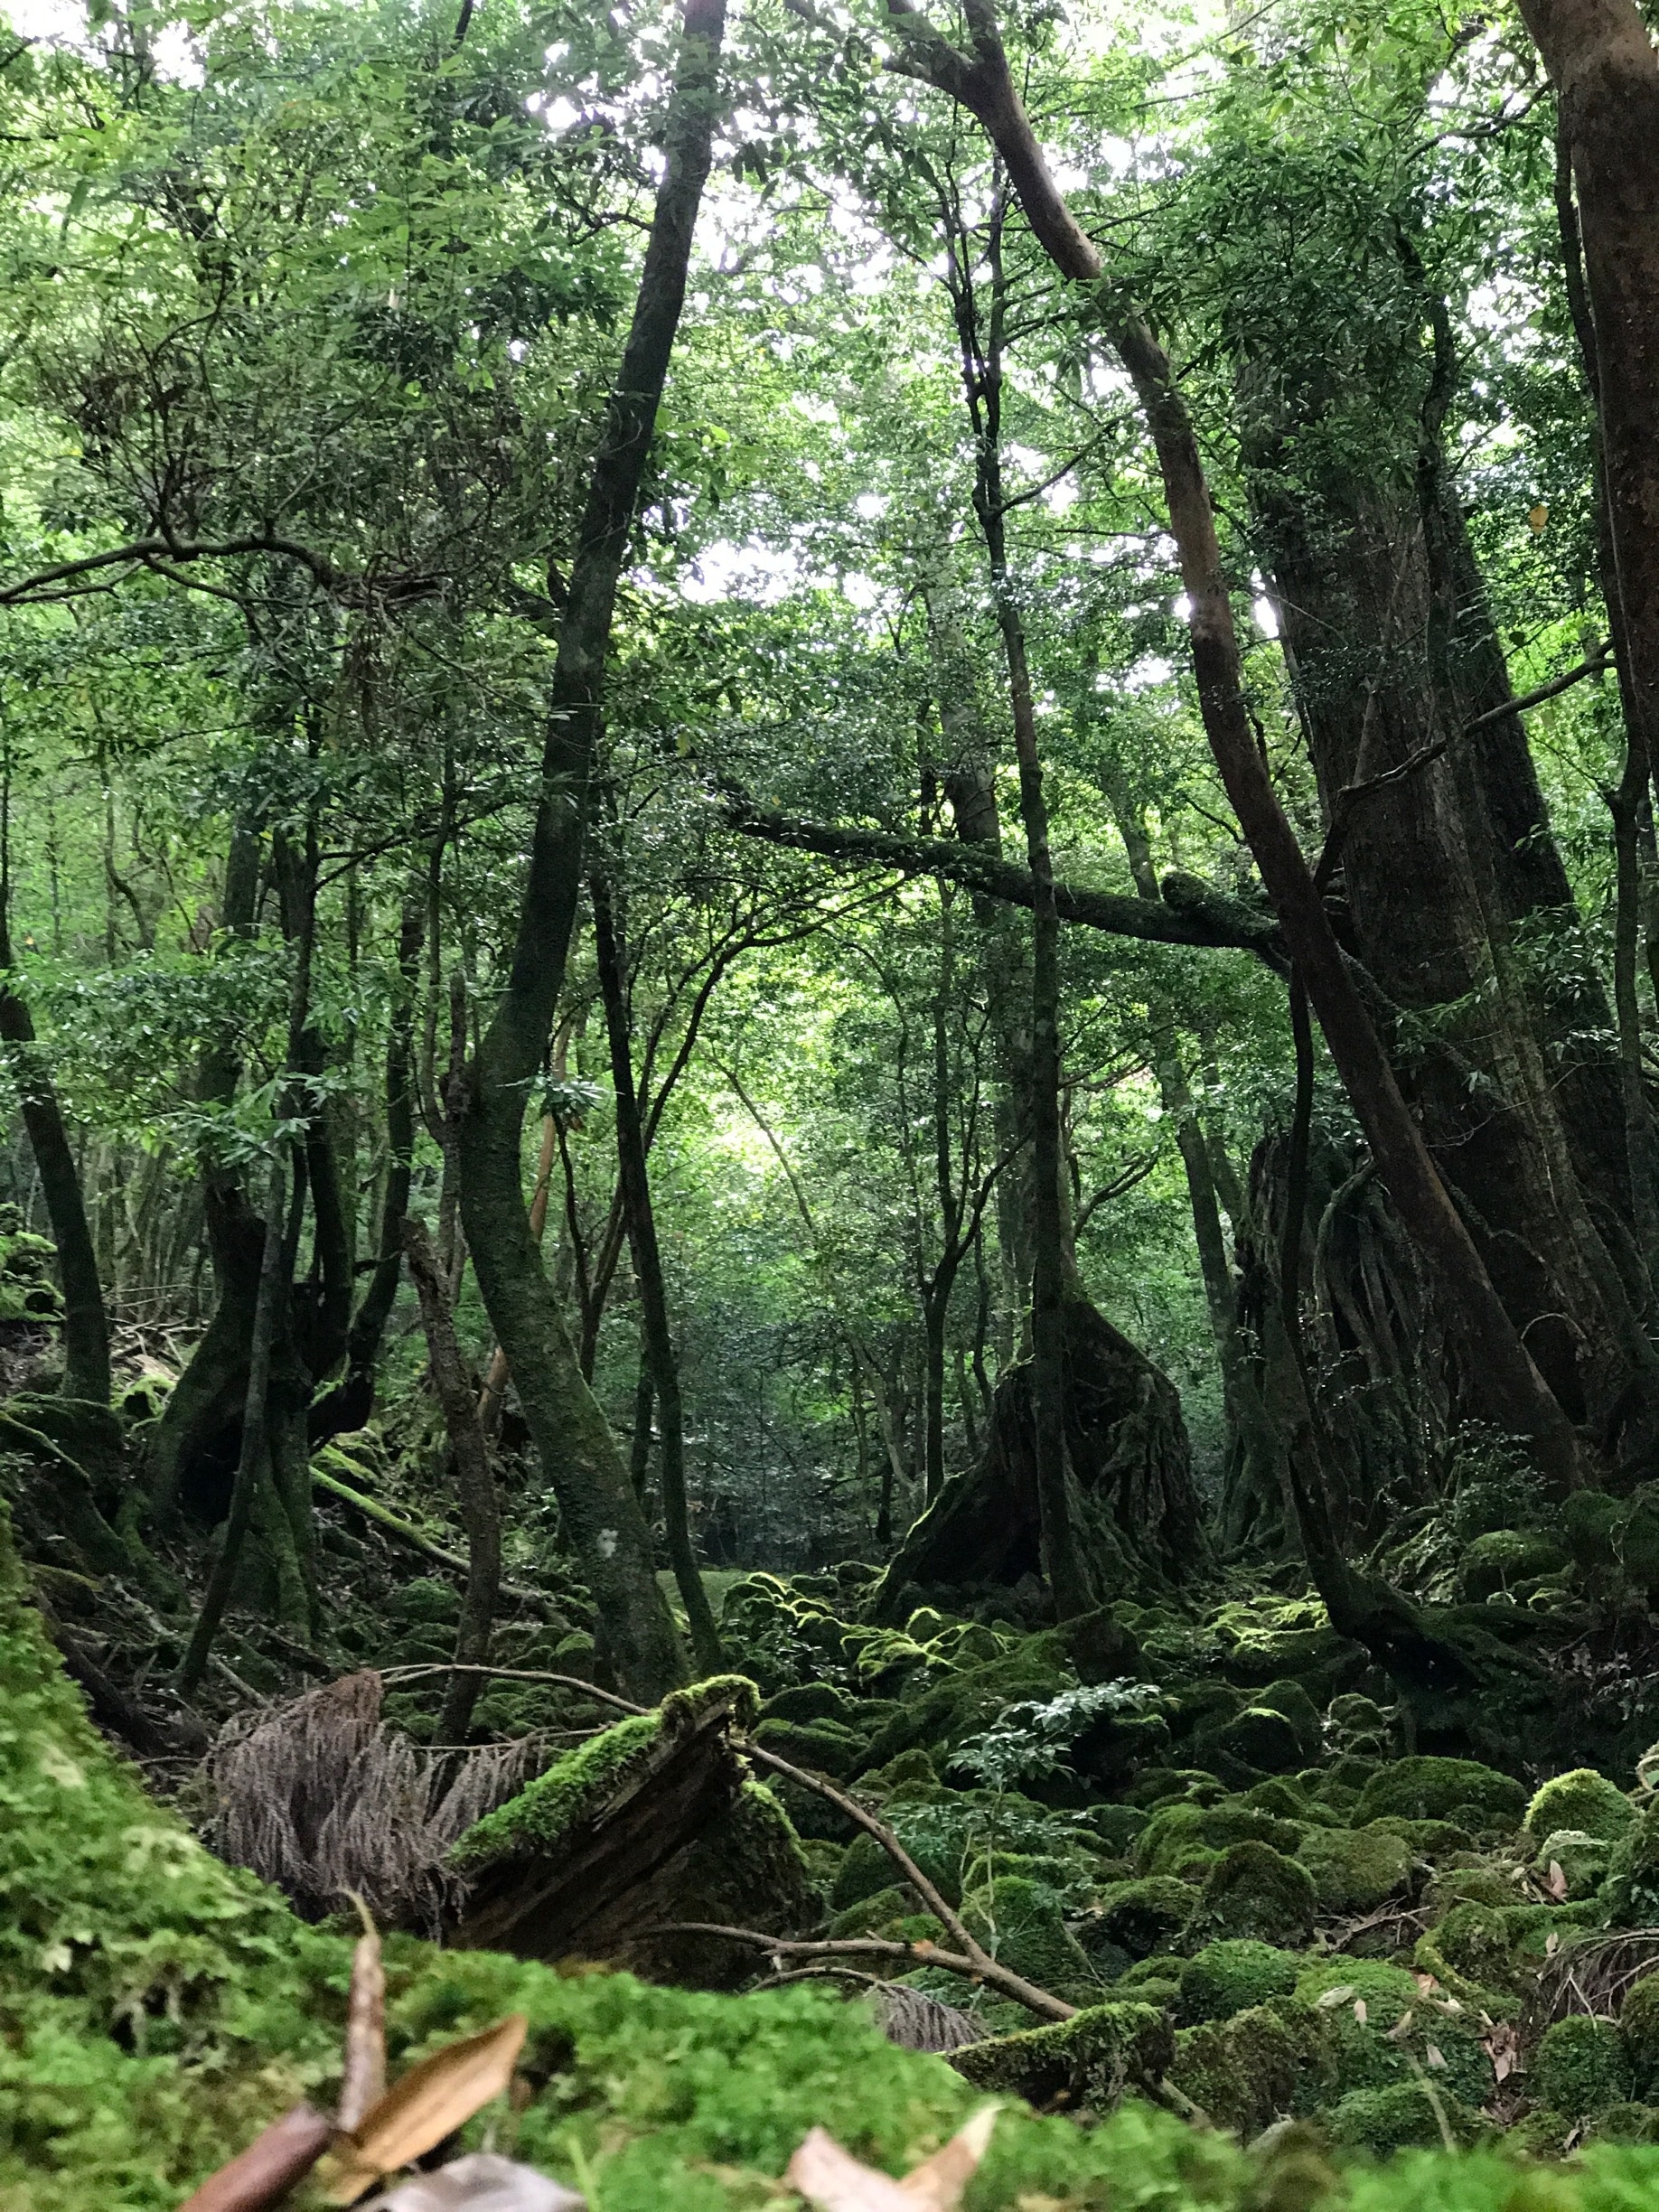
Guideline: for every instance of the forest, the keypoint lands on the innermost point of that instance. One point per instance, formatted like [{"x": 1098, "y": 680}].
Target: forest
[{"x": 829, "y": 1106}]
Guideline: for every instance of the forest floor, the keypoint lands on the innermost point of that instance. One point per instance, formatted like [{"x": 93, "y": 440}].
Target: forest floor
[{"x": 1296, "y": 1931}]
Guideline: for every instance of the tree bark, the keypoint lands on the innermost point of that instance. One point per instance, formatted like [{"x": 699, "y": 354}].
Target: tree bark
[
  {"x": 1513, "y": 1394},
  {"x": 647, "y": 1258},
  {"x": 480, "y": 1512},
  {"x": 602, "y": 1516}
]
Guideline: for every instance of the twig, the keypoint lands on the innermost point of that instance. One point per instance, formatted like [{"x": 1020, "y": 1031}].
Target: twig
[
  {"x": 405, "y": 1675},
  {"x": 269, "y": 2167},
  {"x": 978, "y": 1968}
]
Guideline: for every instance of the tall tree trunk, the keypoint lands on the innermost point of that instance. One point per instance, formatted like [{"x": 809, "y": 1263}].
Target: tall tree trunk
[
  {"x": 648, "y": 1274},
  {"x": 1513, "y": 1394},
  {"x": 481, "y": 1513},
  {"x": 601, "y": 1515},
  {"x": 85, "y": 1323}
]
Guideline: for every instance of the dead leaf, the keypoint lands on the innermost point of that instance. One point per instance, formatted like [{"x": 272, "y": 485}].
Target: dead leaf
[
  {"x": 1434, "y": 2055},
  {"x": 1333, "y": 1997},
  {"x": 482, "y": 2182},
  {"x": 1426, "y": 1982},
  {"x": 1401, "y": 2027},
  {"x": 1552, "y": 1944},
  {"x": 431, "y": 2101},
  {"x": 363, "y": 2083},
  {"x": 1451, "y": 2004},
  {"x": 835, "y": 2181},
  {"x": 1555, "y": 1881},
  {"x": 1360, "y": 2013},
  {"x": 1537, "y": 517}
]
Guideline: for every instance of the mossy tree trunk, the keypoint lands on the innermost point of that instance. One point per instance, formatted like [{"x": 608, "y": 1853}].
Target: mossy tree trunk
[{"x": 602, "y": 1516}]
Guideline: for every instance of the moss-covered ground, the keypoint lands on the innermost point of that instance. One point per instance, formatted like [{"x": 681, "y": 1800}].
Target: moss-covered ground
[{"x": 1344, "y": 1964}]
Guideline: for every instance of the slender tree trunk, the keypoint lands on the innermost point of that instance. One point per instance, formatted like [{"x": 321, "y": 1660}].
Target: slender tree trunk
[
  {"x": 653, "y": 1294},
  {"x": 474, "y": 1484},
  {"x": 253, "y": 1459},
  {"x": 601, "y": 1515},
  {"x": 1513, "y": 1394},
  {"x": 86, "y": 1322},
  {"x": 494, "y": 1391}
]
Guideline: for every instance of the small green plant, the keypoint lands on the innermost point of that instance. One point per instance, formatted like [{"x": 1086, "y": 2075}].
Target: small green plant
[{"x": 1030, "y": 1741}]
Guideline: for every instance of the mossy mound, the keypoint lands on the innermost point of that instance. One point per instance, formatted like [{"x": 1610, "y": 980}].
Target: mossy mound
[
  {"x": 1632, "y": 1890},
  {"x": 1581, "y": 1860},
  {"x": 1381, "y": 2120},
  {"x": 1638, "y": 2024},
  {"x": 1246, "y": 2072},
  {"x": 1581, "y": 2066},
  {"x": 1085, "y": 2063},
  {"x": 1019, "y": 1922},
  {"x": 1183, "y": 1834},
  {"x": 1253, "y": 1891},
  {"x": 1356, "y": 1869},
  {"x": 1582, "y": 1800},
  {"x": 1231, "y": 1976},
  {"x": 1503, "y": 1558},
  {"x": 1427, "y": 1788},
  {"x": 1142, "y": 1918}
]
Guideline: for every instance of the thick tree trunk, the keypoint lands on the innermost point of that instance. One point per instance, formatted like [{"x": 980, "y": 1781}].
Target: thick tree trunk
[
  {"x": 1513, "y": 1394},
  {"x": 602, "y": 1516},
  {"x": 481, "y": 1513},
  {"x": 653, "y": 1294}
]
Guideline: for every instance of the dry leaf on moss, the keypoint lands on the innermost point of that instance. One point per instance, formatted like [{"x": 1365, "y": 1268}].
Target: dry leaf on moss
[
  {"x": 833, "y": 2180},
  {"x": 431, "y": 2101}
]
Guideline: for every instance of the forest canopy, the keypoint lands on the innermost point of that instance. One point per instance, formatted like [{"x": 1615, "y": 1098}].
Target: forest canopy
[{"x": 829, "y": 907}]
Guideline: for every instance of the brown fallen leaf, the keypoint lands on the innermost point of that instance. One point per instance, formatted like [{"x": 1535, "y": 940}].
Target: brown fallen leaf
[
  {"x": 1555, "y": 1881},
  {"x": 1401, "y": 2027},
  {"x": 1434, "y": 2055},
  {"x": 1360, "y": 2012},
  {"x": 429, "y": 2102},
  {"x": 834, "y": 2181},
  {"x": 1335, "y": 1997}
]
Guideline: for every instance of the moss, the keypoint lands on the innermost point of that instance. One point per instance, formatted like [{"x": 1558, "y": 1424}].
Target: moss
[
  {"x": 1141, "y": 1918},
  {"x": 819, "y": 1700},
  {"x": 1583, "y": 1800},
  {"x": 1583, "y": 1860},
  {"x": 1244, "y": 2073},
  {"x": 823, "y": 1745},
  {"x": 1171, "y": 1835},
  {"x": 1287, "y": 1696},
  {"x": 1632, "y": 1892},
  {"x": 538, "y": 1816},
  {"x": 1356, "y": 1869},
  {"x": 1638, "y": 2024},
  {"x": 886, "y": 1912},
  {"x": 1378, "y": 2028},
  {"x": 1382, "y": 2121},
  {"x": 910, "y": 1768},
  {"x": 1427, "y": 1788},
  {"x": 1580, "y": 2067},
  {"x": 1253, "y": 1891},
  {"x": 1589, "y": 1521},
  {"x": 1231, "y": 1976},
  {"x": 1359, "y": 1725},
  {"x": 1259, "y": 1740},
  {"x": 1280, "y": 1797},
  {"x": 1625, "y": 2124},
  {"x": 1085, "y": 2063},
  {"x": 1498, "y": 1560},
  {"x": 1019, "y": 1922},
  {"x": 1429, "y": 1839}
]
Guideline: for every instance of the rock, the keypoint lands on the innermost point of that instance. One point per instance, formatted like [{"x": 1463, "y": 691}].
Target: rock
[
  {"x": 1580, "y": 2067},
  {"x": 1231, "y": 1976},
  {"x": 1356, "y": 1869},
  {"x": 1256, "y": 1891},
  {"x": 807, "y": 1702},
  {"x": 823, "y": 1747},
  {"x": 1141, "y": 1918},
  {"x": 1428, "y": 1788},
  {"x": 1582, "y": 1800},
  {"x": 1505, "y": 1557},
  {"x": 1383, "y": 2120},
  {"x": 1085, "y": 2063},
  {"x": 1245, "y": 2073},
  {"x": 1638, "y": 2025}
]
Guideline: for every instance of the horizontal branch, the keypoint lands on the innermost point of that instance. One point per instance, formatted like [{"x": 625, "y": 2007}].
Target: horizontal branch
[
  {"x": 153, "y": 552},
  {"x": 1196, "y": 915},
  {"x": 922, "y": 1954}
]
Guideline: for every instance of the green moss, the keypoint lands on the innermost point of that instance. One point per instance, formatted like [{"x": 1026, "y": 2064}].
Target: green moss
[
  {"x": 1358, "y": 1725},
  {"x": 1580, "y": 2067},
  {"x": 819, "y": 1700},
  {"x": 1253, "y": 1891},
  {"x": 1085, "y": 2063},
  {"x": 893, "y": 1913},
  {"x": 1279, "y": 1796},
  {"x": 1632, "y": 1892},
  {"x": 1382, "y": 2121},
  {"x": 1356, "y": 1869},
  {"x": 1625, "y": 2124},
  {"x": 1426, "y": 1788},
  {"x": 1583, "y": 1800},
  {"x": 1231, "y": 1976},
  {"x": 824, "y": 1746},
  {"x": 1638, "y": 2024},
  {"x": 1287, "y": 1696},
  {"x": 1019, "y": 1922},
  {"x": 1379, "y": 2029},
  {"x": 1583, "y": 1860},
  {"x": 1141, "y": 1918},
  {"x": 1504, "y": 1557},
  {"x": 1172, "y": 1836},
  {"x": 1245, "y": 2073}
]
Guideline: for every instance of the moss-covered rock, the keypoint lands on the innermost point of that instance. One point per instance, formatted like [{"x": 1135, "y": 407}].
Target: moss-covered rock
[
  {"x": 1632, "y": 1890},
  {"x": 1638, "y": 2024},
  {"x": 1019, "y": 1922},
  {"x": 808, "y": 1702},
  {"x": 1582, "y": 1800},
  {"x": 1358, "y": 1725},
  {"x": 1231, "y": 1976},
  {"x": 1503, "y": 1558},
  {"x": 823, "y": 1747},
  {"x": 1085, "y": 2063},
  {"x": 1253, "y": 1891},
  {"x": 1581, "y": 1860},
  {"x": 1245, "y": 2073},
  {"x": 1181, "y": 1833},
  {"x": 1256, "y": 1741},
  {"x": 1288, "y": 1697},
  {"x": 1382, "y": 2121},
  {"x": 1356, "y": 1869},
  {"x": 1143, "y": 1917},
  {"x": 1427, "y": 1788},
  {"x": 1580, "y": 2067}
]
